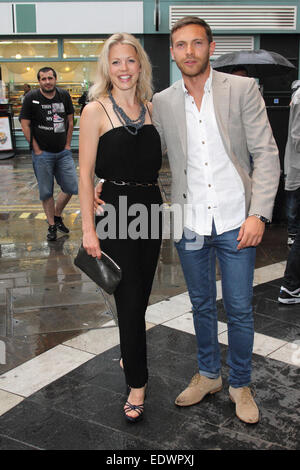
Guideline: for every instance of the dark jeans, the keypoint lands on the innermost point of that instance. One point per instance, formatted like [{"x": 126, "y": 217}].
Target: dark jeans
[
  {"x": 293, "y": 210},
  {"x": 291, "y": 280}
]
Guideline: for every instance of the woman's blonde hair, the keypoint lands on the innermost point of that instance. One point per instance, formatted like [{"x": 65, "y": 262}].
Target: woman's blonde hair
[{"x": 103, "y": 83}]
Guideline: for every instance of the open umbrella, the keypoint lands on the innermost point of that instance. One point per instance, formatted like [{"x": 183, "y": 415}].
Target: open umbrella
[{"x": 259, "y": 63}]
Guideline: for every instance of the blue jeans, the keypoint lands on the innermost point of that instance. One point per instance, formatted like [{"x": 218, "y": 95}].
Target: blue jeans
[
  {"x": 293, "y": 211},
  {"x": 60, "y": 165},
  {"x": 237, "y": 269}
]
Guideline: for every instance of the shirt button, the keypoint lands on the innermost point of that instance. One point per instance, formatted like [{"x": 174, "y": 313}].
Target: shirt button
[
  {"x": 209, "y": 207},
  {"x": 185, "y": 172},
  {"x": 209, "y": 185},
  {"x": 203, "y": 142},
  {"x": 206, "y": 163},
  {"x": 200, "y": 121},
  {"x": 184, "y": 195}
]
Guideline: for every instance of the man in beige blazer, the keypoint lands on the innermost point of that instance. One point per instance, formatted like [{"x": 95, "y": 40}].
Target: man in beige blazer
[{"x": 210, "y": 123}]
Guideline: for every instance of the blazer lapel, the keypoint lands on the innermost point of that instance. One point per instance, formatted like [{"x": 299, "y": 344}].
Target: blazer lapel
[
  {"x": 221, "y": 99},
  {"x": 178, "y": 106}
]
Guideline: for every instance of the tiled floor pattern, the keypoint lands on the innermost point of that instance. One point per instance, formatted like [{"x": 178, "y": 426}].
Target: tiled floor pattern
[
  {"x": 65, "y": 390},
  {"x": 76, "y": 389}
]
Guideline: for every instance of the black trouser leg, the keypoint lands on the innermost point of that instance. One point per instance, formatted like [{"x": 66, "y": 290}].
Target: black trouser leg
[
  {"x": 138, "y": 260},
  {"x": 291, "y": 280}
]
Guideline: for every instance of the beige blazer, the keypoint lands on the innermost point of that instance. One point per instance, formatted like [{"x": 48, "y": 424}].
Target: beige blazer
[{"x": 245, "y": 130}]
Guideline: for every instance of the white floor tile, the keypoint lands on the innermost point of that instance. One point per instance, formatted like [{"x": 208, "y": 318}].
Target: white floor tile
[
  {"x": 8, "y": 401},
  {"x": 271, "y": 347},
  {"x": 223, "y": 338},
  {"x": 222, "y": 327},
  {"x": 182, "y": 323},
  {"x": 166, "y": 310},
  {"x": 219, "y": 290},
  {"x": 96, "y": 341},
  {"x": 42, "y": 370},
  {"x": 269, "y": 273},
  {"x": 264, "y": 345},
  {"x": 289, "y": 353}
]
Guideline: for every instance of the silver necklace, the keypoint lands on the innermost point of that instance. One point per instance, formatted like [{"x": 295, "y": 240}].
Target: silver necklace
[{"x": 125, "y": 120}]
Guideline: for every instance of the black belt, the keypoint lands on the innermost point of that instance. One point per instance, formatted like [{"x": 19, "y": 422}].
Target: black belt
[{"x": 128, "y": 183}]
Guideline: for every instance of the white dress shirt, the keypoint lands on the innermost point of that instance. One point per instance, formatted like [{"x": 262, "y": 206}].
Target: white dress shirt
[{"x": 215, "y": 189}]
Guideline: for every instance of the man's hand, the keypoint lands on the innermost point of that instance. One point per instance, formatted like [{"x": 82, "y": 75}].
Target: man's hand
[
  {"x": 97, "y": 201},
  {"x": 36, "y": 149},
  {"x": 68, "y": 147},
  {"x": 251, "y": 232}
]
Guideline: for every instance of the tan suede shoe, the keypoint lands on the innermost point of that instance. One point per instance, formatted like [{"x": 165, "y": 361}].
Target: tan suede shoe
[
  {"x": 245, "y": 407},
  {"x": 197, "y": 389}
]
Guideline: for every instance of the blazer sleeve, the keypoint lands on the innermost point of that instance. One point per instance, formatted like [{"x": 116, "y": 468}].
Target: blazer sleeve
[
  {"x": 156, "y": 119},
  {"x": 263, "y": 150}
]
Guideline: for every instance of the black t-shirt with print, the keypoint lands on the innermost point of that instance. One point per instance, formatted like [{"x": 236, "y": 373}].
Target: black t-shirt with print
[{"x": 48, "y": 118}]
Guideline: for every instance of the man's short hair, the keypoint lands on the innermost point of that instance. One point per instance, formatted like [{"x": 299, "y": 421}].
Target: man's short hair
[
  {"x": 187, "y": 20},
  {"x": 46, "y": 69}
]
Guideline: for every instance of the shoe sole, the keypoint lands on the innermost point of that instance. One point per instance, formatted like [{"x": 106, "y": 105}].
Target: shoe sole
[
  {"x": 243, "y": 420},
  {"x": 133, "y": 420},
  {"x": 289, "y": 301},
  {"x": 196, "y": 402}
]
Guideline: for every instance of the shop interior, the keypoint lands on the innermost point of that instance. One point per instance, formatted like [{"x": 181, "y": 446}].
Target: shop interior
[{"x": 75, "y": 61}]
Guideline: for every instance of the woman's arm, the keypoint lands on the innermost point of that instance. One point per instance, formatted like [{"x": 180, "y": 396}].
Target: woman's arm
[{"x": 90, "y": 130}]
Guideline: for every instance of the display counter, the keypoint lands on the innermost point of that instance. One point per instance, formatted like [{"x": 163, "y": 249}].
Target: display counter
[
  {"x": 22, "y": 144},
  {"x": 15, "y": 95}
]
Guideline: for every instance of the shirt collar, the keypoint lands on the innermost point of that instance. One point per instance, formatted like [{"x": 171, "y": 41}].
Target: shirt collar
[{"x": 207, "y": 86}]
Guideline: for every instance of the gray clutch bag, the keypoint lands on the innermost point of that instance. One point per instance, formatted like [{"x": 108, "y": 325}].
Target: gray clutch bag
[{"x": 104, "y": 271}]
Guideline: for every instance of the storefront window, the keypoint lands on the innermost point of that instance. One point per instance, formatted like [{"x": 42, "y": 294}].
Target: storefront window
[
  {"x": 28, "y": 48},
  {"x": 75, "y": 48},
  {"x": 74, "y": 60},
  {"x": 74, "y": 76}
]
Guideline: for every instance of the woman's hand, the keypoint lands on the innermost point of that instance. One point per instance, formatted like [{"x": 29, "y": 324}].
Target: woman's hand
[
  {"x": 97, "y": 201},
  {"x": 91, "y": 244}
]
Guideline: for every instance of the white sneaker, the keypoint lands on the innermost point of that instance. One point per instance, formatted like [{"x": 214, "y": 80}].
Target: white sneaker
[
  {"x": 289, "y": 297},
  {"x": 291, "y": 239}
]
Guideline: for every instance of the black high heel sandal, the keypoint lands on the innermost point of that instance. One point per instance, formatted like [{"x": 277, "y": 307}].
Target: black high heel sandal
[{"x": 138, "y": 408}]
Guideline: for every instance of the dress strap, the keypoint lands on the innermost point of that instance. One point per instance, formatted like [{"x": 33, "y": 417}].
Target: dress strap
[
  {"x": 149, "y": 113},
  {"x": 106, "y": 112}
]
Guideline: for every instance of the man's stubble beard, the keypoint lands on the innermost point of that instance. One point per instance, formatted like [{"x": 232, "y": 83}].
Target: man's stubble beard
[
  {"x": 48, "y": 91},
  {"x": 199, "y": 71}
]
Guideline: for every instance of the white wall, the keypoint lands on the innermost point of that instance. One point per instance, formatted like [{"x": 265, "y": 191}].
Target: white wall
[
  {"x": 6, "y": 23},
  {"x": 89, "y": 17},
  {"x": 80, "y": 17}
]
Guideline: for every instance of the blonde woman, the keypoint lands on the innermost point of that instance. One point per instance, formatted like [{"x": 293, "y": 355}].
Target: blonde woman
[{"x": 119, "y": 143}]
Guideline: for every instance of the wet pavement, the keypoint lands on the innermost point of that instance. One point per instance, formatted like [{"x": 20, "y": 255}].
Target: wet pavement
[{"x": 59, "y": 344}]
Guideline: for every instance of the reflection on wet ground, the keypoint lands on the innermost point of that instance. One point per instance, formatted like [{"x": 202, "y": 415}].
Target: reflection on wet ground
[{"x": 44, "y": 298}]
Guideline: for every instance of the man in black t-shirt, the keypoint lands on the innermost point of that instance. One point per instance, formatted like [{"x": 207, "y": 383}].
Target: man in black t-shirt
[{"x": 47, "y": 122}]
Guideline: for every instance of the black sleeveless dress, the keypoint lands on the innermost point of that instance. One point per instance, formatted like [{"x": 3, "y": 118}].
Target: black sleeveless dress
[{"x": 130, "y": 232}]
